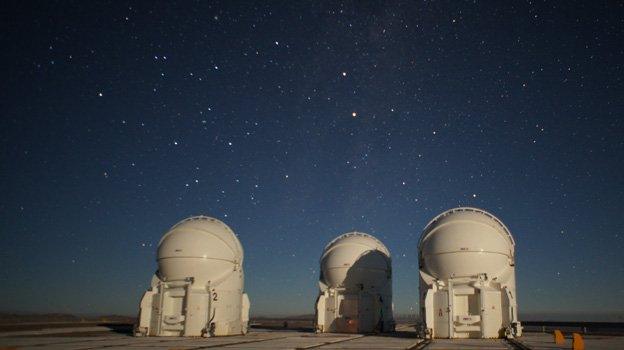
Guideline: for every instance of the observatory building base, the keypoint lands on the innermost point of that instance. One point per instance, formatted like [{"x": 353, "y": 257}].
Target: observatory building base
[
  {"x": 351, "y": 313},
  {"x": 175, "y": 309},
  {"x": 469, "y": 308}
]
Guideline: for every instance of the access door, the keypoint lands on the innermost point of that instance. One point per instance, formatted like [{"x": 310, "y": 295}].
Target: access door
[
  {"x": 441, "y": 314},
  {"x": 348, "y": 318},
  {"x": 491, "y": 313},
  {"x": 366, "y": 313}
]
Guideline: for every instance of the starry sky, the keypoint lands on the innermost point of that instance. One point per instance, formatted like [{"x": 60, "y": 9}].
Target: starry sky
[{"x": 294, "y": 122}]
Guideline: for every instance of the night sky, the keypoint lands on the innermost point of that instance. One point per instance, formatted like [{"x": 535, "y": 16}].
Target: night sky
[{"x": 296, "y": 122}]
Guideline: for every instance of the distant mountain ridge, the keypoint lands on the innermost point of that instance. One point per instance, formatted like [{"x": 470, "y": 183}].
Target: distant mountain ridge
[{"x": 14, "y": 318}]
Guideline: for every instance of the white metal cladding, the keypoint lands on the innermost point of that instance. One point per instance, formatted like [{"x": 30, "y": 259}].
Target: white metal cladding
[
  {"x": 377, "y": 244},
  {"x": 467, "y": 276},
  {"x": 355, "y": 286},
  {"x": 198, "y": 287},
  {"x": 467, "y": 209}
]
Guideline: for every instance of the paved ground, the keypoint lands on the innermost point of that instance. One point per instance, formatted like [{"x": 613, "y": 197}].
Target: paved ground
[
  {"x": 544, "y": 341},
  {"x": 94, "y": 338},
  {"x": 490, "y": 344}
]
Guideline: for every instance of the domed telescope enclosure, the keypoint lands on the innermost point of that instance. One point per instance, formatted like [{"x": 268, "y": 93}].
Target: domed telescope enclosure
[
  {"x": 198, "y": 287},
  {"x": 467, "y": 276},
  {"x": 355, "y": 286}
]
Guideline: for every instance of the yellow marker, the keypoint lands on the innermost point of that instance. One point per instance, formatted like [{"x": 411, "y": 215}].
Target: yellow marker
[
  {"x": 577, "y": 342},
  {"x": 559, "y": 337}
]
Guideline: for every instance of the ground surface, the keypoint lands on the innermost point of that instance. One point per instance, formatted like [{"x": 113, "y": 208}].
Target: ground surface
[{"x": 115, "y": 336}]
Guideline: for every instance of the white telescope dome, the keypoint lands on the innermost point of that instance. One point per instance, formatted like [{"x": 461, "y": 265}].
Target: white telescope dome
[
  {"x": 355, "y": 260},
  {"x": 200, "y": 247},
  {"x": 465, "y": 242},
  {"x": 198, "y": 287},
  {"x": 468, "y": 276}
]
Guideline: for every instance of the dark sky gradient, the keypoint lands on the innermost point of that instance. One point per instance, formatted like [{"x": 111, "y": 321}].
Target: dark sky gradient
[{"x": 120, "y": 119}]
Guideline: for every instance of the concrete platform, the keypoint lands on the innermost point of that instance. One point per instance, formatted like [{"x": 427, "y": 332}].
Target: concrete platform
[
  {"x": 404, "y": 338},
  {"x": 490, "y": 344},
  {"x": 543, "y": 341}
]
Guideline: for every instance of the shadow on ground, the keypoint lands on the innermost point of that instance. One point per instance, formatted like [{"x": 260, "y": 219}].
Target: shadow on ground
[{"x": 121, "y": 328}]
